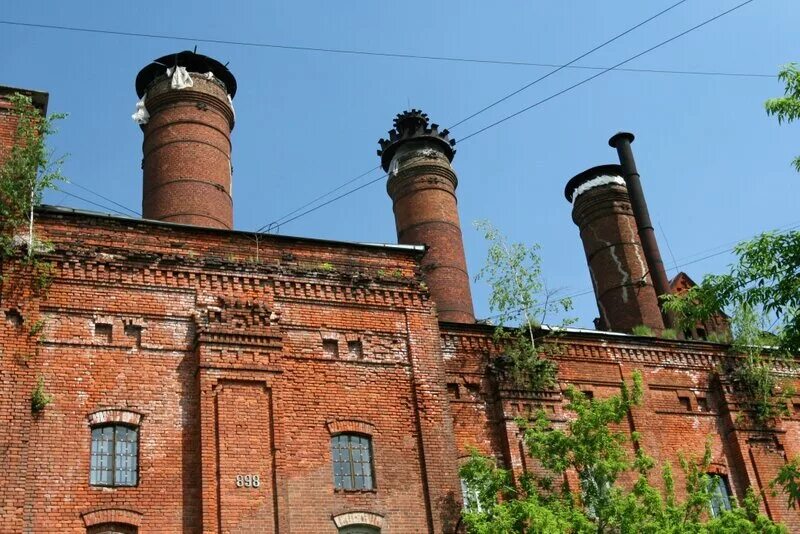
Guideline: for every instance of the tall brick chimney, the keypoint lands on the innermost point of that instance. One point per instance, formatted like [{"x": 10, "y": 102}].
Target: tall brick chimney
[
  {"x": 9, "y": 120},
  {"x": 187, "y": 146},
  {"x": 422, "y": 185},
  {"x": 623, "y": 287}
]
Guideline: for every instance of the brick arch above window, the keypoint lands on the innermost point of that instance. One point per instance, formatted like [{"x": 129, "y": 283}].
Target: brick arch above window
[
  {"x": 350, "y": 426},
  {"x": 122, "y": 416},
  {"x": 358, "y": 518},
  {"x": 119, "y": 516}
]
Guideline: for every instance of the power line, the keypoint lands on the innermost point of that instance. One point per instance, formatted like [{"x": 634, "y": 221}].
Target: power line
[
  {"x": 590, "y": 78},
  {"x": 562, "y": 67},
  {"x": 94, "y": 203},
  {"x": 345, "y": 51},
  {"x": 334, "y": 199},
  {"x": 277, "y": 222},
  {"x": 784, "y": 228},
  {"x": 71, "y": 182},
  {"x": 496, "y": 123}
]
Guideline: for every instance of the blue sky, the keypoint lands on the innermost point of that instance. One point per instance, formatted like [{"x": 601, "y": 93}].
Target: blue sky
[{"x": 715, "y": 168}]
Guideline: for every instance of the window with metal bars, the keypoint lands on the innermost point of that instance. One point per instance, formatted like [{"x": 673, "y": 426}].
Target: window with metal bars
[
  {"x": 115, "y": 456},
  {"x": 352, "y": 462}
]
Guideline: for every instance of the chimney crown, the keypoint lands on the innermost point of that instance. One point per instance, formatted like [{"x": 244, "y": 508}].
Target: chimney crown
[
  {"x": 193, "y": 62},
  {"x": 413, "y": 124}
]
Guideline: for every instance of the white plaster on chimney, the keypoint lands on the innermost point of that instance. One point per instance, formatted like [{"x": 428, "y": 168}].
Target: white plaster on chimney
[
  {"x": 626, "y": 278},
  {"x": 596, "y": 182},
  {"x": 637, "y": 249}
]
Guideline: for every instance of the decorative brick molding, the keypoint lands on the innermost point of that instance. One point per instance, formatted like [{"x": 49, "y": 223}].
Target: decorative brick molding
[
  {"x": 112, "y": 515},
  {"x": 358, "y": 518},
  {"x": 115, "y": 415},
  {"x": 348, "y": 426}
]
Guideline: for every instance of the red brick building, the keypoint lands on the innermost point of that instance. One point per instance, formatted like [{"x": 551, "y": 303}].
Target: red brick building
[{"x": 206, "y": 379}]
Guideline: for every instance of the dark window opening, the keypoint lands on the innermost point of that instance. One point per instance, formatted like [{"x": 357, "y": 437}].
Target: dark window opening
[
  {"x": 134, "y": 331},
  {"x": 701, "y": 333},
  {"x": 452, "y": 390},
  {"x": 115, "y": 456},
  {"x": 330, "y": 347},
  {"x": 688, "y": 334},
  {"x": 352, "y": 462},
  {"x": 355, "y": 349},
  {"x": 720, "y": 494},
  {"x": 103, "y": 332},
  {"x": 685, "y": 403}
]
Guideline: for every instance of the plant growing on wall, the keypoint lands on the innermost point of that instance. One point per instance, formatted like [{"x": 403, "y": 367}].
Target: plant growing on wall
[
  {"x": 522, "y": 304},
  {"x": 27, "y": 172},
  {"x": 591, "y": 446},
  {"x": 39, "y": 398}
]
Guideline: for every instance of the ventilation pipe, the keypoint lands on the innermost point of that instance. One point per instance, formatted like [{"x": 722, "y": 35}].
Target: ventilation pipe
[{"x": 622, "y": 142}]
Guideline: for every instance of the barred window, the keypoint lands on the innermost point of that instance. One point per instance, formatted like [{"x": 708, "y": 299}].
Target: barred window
[
  {"x": 352, "y": 462},
  {"x": 115, "y": 456}
]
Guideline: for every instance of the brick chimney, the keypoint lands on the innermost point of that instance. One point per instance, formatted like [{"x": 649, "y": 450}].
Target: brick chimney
[
  {"x": 187, "y": 146},
  {"x": 422, "y": 186},
  {"x": 622, "y": 284},
  {"x": 9, "y": 120}
]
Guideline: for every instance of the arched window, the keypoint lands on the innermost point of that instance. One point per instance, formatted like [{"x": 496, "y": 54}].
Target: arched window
[
  {"x": 352, "y": 462},
  {"x": 115, "y": 455}
]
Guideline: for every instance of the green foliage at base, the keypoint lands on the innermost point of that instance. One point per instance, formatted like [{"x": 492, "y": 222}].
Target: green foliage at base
[
  {"x": 590, "y": 446},
  {"x": 642, "y": 330}
]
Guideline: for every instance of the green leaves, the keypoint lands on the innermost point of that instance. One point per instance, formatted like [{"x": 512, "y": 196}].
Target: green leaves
[
  {"x": 28, "y": 171},
  {"x": 787, "y": 107},
  {"x": 592, "y": 445},
  {"x": 522, "y": 304},
  {"x": 789, "y": 480}
]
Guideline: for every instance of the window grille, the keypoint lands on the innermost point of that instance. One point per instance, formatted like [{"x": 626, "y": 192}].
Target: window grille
[
  {"x": 352, "y": 462},
  {"x": 115, "y": 456}
]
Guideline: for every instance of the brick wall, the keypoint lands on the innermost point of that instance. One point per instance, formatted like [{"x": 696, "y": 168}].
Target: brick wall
[
  {"x": 238, "y": 357},
  {"x": 217, "y": 341}
]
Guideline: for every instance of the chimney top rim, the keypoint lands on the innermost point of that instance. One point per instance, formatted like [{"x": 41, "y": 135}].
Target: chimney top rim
[
  {"x": 193, "y": 62},
  {"x": 617, "y": 137},
  {"x": 410, "y": 125},
  {"x": 610, "y": 169}
]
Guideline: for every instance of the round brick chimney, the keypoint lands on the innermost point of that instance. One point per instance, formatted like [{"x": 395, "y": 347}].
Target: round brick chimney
[
  {"x": 623, "y": 287},
  {"x": 422, "y": 186},
  {"x": 187, "y": 148}
]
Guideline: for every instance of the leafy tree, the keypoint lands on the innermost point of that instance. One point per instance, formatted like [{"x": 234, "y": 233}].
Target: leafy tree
[
  {"x": 27, "y": 171},
  {"x": 787, "y": 107},
  {"x": 591, "y": 446},
  {"x": 522, "y": 303}
]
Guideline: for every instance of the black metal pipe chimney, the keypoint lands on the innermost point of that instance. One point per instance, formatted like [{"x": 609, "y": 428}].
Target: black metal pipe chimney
[{"x": 622, "y": 142}]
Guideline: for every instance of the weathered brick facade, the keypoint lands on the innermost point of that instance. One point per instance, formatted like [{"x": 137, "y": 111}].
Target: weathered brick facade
[{"x": 235, "y": 355}]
